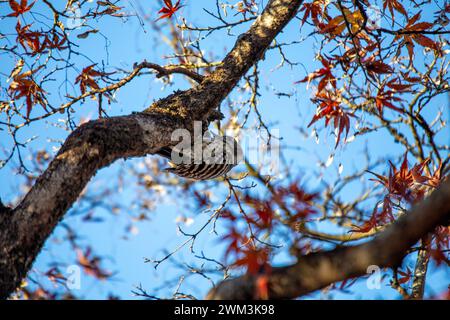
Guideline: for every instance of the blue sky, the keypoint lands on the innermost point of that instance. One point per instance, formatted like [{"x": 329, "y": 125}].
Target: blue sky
[{"x": 122, "y": 43}]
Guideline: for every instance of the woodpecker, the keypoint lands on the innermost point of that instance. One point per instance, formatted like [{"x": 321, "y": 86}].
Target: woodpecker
[{"x": 216, "y": 157}]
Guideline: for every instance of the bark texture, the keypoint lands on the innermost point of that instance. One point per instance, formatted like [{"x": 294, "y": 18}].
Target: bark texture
[{"x": 96, "y": 144}]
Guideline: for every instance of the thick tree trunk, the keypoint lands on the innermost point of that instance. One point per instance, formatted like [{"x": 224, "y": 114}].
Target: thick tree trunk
[{"x": 97, "y": 144}]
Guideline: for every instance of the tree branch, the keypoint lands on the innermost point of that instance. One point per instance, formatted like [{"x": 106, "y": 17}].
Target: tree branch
[
  {"x": 167, "y": 70},
  {"x": 98, "y": 143},
  {"x": 317, "y": 270},
  {"x": 420, "y": 271}
]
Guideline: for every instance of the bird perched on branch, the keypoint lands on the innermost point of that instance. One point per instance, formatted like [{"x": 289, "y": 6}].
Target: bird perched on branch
[{"x": 214, "y": 156}]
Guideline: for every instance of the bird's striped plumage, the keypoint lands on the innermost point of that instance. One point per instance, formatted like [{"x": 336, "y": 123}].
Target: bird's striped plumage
[
  {"x": 201, "y": 171},
  {"x": 209, "y": 168}
]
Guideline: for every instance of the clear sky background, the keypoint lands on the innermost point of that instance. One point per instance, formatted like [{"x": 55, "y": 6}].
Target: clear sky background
[{"x": 122, "y": 43}]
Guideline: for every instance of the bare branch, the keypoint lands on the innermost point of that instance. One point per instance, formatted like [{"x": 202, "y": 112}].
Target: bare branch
[
  {"x": 97, "y": 144},
  {"x": 317, "y": 270}
]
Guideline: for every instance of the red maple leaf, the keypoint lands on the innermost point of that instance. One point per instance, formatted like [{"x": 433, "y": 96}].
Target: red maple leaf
[
  {"x": 91, "y": 264},
  {"x": 29, "y": 38},
  {"x": 442, "y": 244},
  {"x": 405, "y": 184},
  {"x": 303, "y": 206},
  {"x": 411, "y": 34},
  {"x": 254, "y": 260},
  {"x": 313, "y": 10},
  {"x": 334, "y": 27},
  {"x": 235, "y": 239},
  {"x": 385, "y": 98},
  {"x": 368, "y": 225},
  {"x": 55, "y": 275},
  {"x": 169, "y": 10},
  {"x": 435, "y": 179},
  {"x": 405, "y": 276},
  {"x": 425, "y": 42},
  {"x": 324, "y": 73},
  {"x": 265, "y": 213},
  {"x": 330, "y": 109},
  {"x": 394, "y": 4},
  {"x": 23, "y": 86},
  {"x": 86, "y": 78},
  {"x": 19, "y": 8},
  {"x": 55, "y": 42},
  {"x": 376, "y": 67}
]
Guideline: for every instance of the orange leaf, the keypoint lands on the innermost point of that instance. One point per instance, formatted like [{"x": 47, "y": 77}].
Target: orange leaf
[{"x": 425, "y": 42}]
